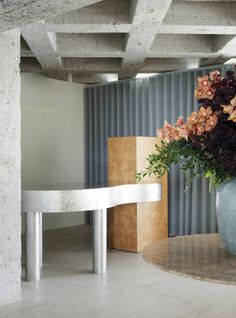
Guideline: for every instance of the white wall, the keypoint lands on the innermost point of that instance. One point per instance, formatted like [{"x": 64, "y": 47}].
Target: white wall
[{"x": 52, "y": 137}]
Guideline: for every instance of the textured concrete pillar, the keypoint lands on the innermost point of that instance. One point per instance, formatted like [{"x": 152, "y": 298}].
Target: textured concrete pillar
[{"x": 10, "y": 180}]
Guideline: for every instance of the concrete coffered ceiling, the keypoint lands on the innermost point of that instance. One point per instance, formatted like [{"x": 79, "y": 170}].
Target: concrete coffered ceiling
[{"x": 93, "y": 41}]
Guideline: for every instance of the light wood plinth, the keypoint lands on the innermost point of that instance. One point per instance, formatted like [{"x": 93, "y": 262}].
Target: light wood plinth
[{"x": 131, "y": 227}]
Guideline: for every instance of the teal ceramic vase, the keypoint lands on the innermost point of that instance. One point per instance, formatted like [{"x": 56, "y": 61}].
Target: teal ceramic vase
[{"x": 226, "y": 215}]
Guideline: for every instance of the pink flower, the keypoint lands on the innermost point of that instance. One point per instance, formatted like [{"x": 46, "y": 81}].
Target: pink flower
[
  {"x": 184, "y": 131},
  {"x": 169, "y": 133},
  {"x": 180, "y": 121},
  {"x": 165, "y": 134},
  {"x": 175, "y": 134}
]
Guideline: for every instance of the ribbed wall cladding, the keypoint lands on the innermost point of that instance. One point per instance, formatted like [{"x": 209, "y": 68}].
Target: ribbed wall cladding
[{"x": 137, "y": 108}]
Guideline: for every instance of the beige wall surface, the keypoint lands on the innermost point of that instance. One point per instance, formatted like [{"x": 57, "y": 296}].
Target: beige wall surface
[{"x": 52, "y": 137}]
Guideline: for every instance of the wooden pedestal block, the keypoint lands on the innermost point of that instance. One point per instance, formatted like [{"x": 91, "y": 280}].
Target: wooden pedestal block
[{"x": 131, "y": 227}]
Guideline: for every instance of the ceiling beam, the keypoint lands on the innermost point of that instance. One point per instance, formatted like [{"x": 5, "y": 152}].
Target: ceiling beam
[
  {"x": 130, "y": 36},
  {"x": 14, "y": 13},
  {"x": 200, "y": 17},
  {"x": 180, "y": 46},
  {"x": 88, "y": 28},
  {"x": 81, "y": 65},
  {"x": 104, "y": 17},
  {"x": 90, "y": 45},
  {"x": 226, "y": 49},
  {"x": 210, "y": 17},
  {"x": 195, "y": 29},
  {"x": 112, "y": 45},
  {"x": 146, "y": 14},
  {"x": 168, "y": 64},
  {"x": 106, "y": 65},
  {"x": 226, "y": 46},
  {"x": 30, "y": 65},
  {"x": 43, "y": 45},
  {"x": 92, "y": 78}
]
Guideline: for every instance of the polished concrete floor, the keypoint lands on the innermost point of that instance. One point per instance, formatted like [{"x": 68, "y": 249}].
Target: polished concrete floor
[{"x": 131, "y": 288}]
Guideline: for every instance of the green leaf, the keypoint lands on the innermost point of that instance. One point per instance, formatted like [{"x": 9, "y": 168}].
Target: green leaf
[
  {"x": 208, "y": 174},
  {"x": 192, "y": 161}
]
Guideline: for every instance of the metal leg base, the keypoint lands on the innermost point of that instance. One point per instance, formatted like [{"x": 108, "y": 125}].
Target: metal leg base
[
  {"x": 33, "y": 246},
  {"x": 100, "y": 241}
]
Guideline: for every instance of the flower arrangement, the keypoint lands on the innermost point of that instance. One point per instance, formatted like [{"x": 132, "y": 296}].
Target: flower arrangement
[{"x": 205, "y": 143}]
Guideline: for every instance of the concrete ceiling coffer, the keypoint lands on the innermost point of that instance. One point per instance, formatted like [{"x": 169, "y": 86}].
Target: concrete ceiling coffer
[{"x": 126, "y": 37}]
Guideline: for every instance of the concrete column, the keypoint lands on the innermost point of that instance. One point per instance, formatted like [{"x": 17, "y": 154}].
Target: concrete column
[{"x": 10, "y": 162}]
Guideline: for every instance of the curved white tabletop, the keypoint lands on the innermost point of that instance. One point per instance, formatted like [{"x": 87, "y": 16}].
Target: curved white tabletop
[{"x": 77, "y": 197}]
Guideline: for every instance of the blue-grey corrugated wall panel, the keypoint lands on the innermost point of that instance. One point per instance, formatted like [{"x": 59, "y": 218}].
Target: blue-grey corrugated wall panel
[{"x": 138, "y": 108}]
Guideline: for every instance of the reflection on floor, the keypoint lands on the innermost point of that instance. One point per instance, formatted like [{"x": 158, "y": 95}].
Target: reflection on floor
[{"x": 132, "y": 288}]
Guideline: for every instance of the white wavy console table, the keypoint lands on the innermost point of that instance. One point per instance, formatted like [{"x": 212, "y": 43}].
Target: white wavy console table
[{"x": 75, "y": 198}]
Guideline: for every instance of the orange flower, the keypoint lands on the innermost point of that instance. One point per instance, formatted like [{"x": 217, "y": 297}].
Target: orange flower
[
  {"x": 165, "y": 134},
  {"x": 233, "y": 116},
  {"x": 210, "y": 93},
  {"x": 203, "y": 81},
  {"x": 211, "y": 122},
  {"x": 230, "y": 109},
  {"x": 184, "y": 132},
  {"x": 204, "y": 88},
  {"x": 199, "y": 129},
  {"x": 215, "y": 76},
  {"x": 169, "y": 133},
  {"x": 197, "y": 123},
  {"x": 199, "y": 93},
  {"x": 175, "y": 134},
  {"x": 233, "y": 101},
  {"x": 180, "y": 121},
  {"x": 204, "y": 112},
  {"x": 192, "y": 119},
  {"x": 202, "y": 121}
]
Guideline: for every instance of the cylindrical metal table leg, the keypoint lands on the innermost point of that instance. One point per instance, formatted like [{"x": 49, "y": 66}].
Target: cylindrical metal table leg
[
  {"x": 33, "y": 247},
  {"x": 100, "y": 241},
  {"x": 41, "y": 237}
]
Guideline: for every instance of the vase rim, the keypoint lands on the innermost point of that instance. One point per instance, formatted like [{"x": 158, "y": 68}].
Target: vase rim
[{"x": 228, "y": 186}]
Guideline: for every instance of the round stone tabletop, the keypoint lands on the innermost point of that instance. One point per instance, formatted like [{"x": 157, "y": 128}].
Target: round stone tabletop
[{"x": 199, "y": 256}]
